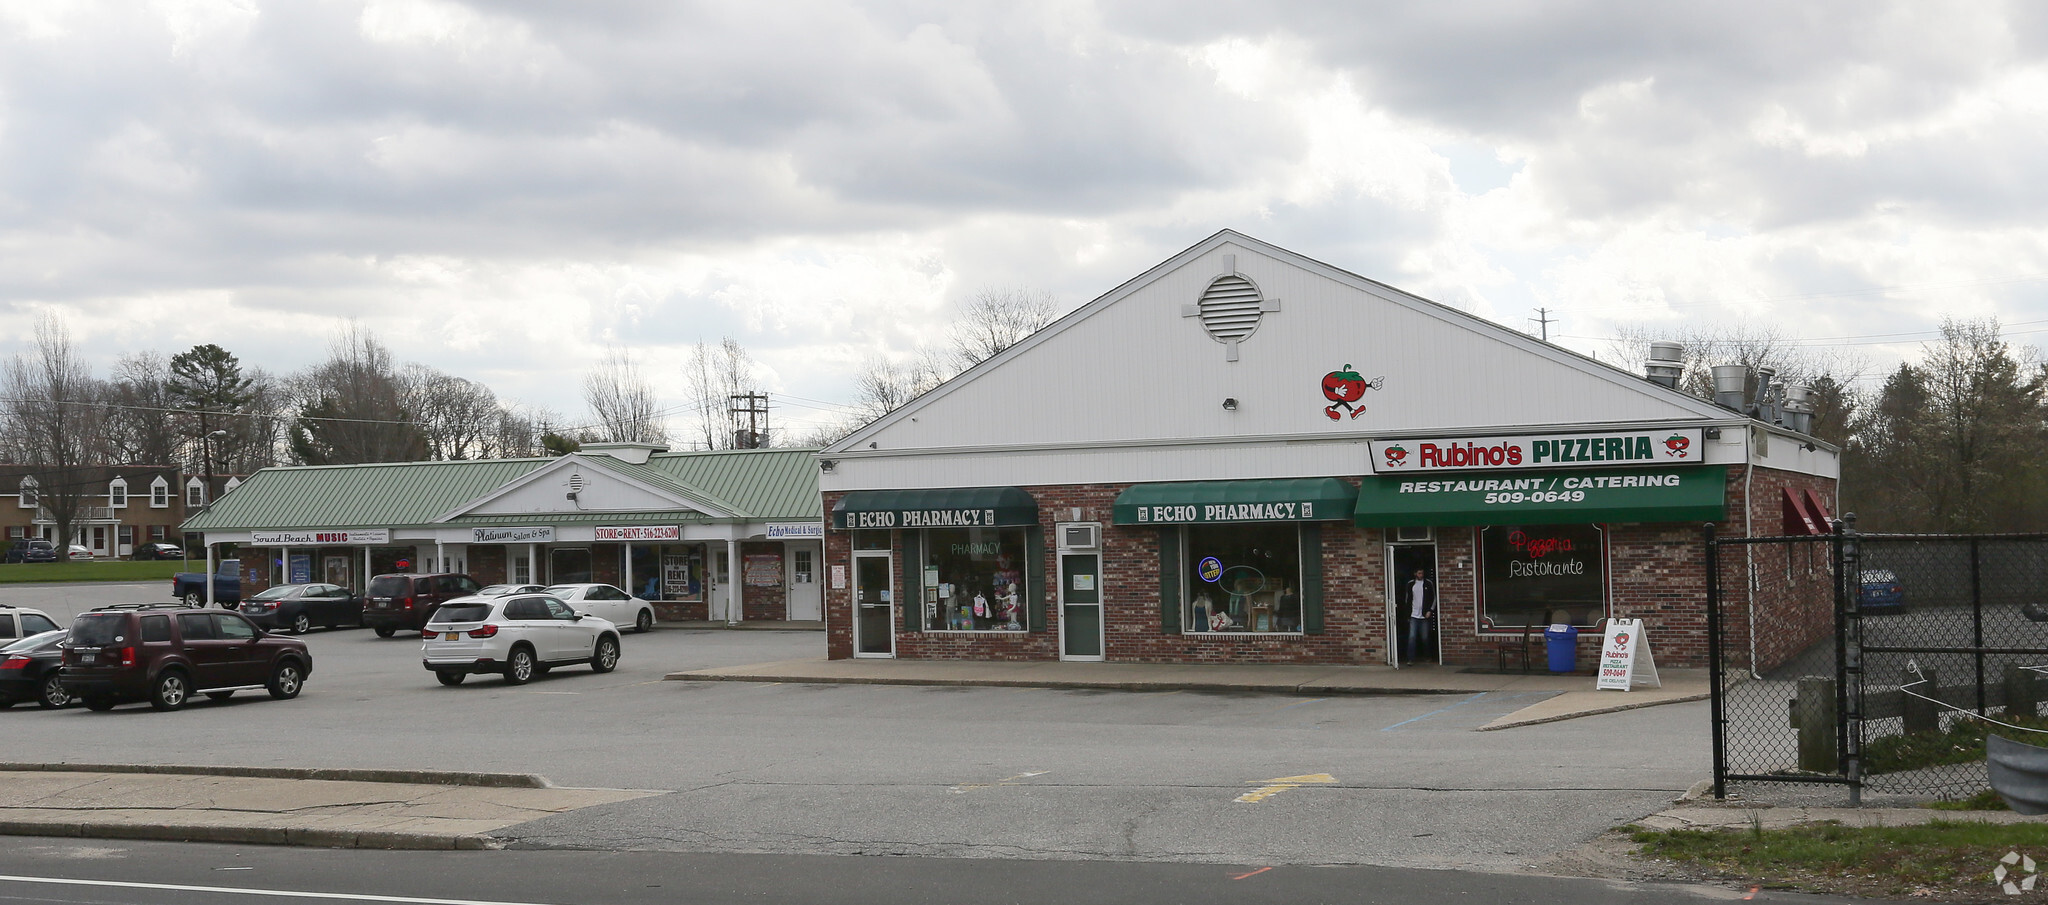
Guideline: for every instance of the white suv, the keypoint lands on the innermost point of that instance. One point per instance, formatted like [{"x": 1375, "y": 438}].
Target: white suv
[
  {"x": 518, "y": 637},
  {"x": 21, "y": 622}
]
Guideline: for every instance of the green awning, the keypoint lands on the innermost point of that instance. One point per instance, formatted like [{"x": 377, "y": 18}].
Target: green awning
[
  {"x": 1684, "y": 494},
  {"x": 1271, "y": 500},
  {"x": 957, "y": 507}
]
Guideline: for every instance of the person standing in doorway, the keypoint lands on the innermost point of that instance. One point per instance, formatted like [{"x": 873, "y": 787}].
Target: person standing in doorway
[{"x": 1420, "y": 595}]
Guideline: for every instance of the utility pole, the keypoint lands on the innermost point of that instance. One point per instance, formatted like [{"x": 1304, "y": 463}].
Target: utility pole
[
  {"x": 755, "y": 407},
  {"x": 1544, "y": 320}
]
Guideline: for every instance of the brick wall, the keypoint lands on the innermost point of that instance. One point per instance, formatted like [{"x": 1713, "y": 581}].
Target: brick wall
[
  {"x": 762, "y": 602},
  {"x": 1656, "y": 572},
  {"x": 487, "y": 564}
]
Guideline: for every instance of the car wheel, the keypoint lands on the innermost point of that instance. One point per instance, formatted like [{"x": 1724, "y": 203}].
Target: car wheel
[
  {"x": 385, "y": 631},
  {"x": 195, "y": 599},
  {"x": 52, "y": 693},
  {"x": 99, "y": 705},
  {"x": 302, "y": 624},
  {"x": 519, "y": 667},
  {"x": 286, "y": 682},
  {"x": 450, "y": 677},
  {"x": 220, "y": 695},
  {"x": 645, "y": 622},
  {"x": 170, "y": 691},
  {"x": 606, "y": 657}
]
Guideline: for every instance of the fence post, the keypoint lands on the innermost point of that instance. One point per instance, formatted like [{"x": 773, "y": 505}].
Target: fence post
[
  {"x": 1813, "y": 714},
  {"x": 1977, "y": 615},
  {"x": 1847, "y": 553},
  {"x": 1918, "y": 714},
  {"x": 1715, "y": 705},
  {"x": 2022, "y": 693}
]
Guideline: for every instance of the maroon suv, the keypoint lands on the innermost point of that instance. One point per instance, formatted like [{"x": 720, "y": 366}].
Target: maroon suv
[
  {"x": 165, "y": 653},
  {"x": 406, "y": 600}
]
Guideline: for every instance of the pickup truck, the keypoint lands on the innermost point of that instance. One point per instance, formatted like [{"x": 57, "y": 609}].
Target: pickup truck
[{"x": 227, "y": 585}]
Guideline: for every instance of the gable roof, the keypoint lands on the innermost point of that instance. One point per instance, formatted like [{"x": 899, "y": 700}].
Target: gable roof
[
  {"x": 1301, "y": 273},
  {"x": 750, "y": 484}
]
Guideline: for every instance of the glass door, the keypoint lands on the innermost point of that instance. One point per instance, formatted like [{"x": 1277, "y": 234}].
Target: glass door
[
  {"x": 1081, "y": 606},
  {"x": 873, "y": 612}
]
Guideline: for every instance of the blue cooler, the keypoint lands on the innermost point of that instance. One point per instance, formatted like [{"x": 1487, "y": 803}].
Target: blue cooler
[{"x": 1562, "y": 643}]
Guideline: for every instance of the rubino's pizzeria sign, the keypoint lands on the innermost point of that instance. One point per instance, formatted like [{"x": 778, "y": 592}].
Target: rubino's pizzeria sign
[
  {"x": 1623, "y": 448},
  {"x": 320, "y": 538}
]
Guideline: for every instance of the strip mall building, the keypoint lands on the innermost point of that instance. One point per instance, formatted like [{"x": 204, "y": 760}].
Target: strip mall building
[
  {"x": 732, "y": 535},
  {"x": 1242, "y": 455}
]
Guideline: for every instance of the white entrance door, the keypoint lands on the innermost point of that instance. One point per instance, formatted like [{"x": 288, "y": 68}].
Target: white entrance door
[{"x": 806, "y": 598}]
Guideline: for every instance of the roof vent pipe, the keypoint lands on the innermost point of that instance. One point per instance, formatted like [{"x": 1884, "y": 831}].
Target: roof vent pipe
[
  {"x": 1666, "y": 364},
  {"x": 1799, "y": 407},
  {"x": 1769, "y": 393},
  {"x": 1729, "y": 383}
]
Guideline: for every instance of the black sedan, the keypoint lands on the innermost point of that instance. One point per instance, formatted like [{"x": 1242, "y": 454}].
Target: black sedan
[
  {"x": 29, "y": 671},
  {"x": 159, "y": 550},
  {"x": 296, "y": 608}
]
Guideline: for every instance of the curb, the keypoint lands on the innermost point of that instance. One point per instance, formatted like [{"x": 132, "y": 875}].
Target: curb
[
  {"x": 247, "y": 835},
  {"x": 337, "y": 774},
  {"x": 1306, "y": 689},
  {"x": 1618, "y": 708}
]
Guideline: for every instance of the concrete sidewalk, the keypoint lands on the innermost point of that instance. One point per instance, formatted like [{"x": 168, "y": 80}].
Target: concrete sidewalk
[
  {"x": 383, "y": 809},
  {"x": 1573, "y": 694}
]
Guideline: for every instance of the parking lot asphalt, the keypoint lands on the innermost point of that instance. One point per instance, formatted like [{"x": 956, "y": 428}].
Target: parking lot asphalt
[{"x": 795, "y": 765}]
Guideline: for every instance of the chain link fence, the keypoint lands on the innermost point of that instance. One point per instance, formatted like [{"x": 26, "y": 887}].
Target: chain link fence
[{"x": 1875, "y": 662}]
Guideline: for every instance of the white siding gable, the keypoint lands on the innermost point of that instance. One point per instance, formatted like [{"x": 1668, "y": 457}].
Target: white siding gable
[
  {"x": 1131, "y": 367},
  {"x": 596, "y": 490}
]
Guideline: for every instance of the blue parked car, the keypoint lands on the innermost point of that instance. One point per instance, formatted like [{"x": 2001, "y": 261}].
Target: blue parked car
[{"x": 1880, "y": 592}]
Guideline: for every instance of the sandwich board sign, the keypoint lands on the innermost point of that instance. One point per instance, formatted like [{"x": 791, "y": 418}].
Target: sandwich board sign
[{"x": 1625, "y": 659}]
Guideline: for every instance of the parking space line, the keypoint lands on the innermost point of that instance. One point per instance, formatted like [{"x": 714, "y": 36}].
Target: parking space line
[
  {"x": 1433, "y": 712},
  {"x": 274, "y": 893}
]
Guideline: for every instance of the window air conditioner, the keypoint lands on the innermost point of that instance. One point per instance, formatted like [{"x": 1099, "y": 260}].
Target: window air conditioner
[{"x": 1080, "y": 536}]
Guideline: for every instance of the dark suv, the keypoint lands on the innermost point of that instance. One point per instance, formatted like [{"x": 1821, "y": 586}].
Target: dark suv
[
  {"x": 406, "y": 600},
  {"x": 31, "y": 550},
  {"x": 164, "y": 653}
]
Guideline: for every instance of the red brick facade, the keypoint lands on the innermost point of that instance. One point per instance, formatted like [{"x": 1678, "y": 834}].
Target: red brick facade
[{"x": 1656, "y": 572}]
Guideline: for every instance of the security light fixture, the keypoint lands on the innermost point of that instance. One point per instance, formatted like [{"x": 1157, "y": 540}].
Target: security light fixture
[
  {"x": 826, "y": 465},
  {"x": 1230, "y": 404}
]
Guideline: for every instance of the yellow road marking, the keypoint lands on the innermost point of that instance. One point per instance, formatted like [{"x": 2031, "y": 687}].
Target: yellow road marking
[
  {"x": 1272, "y": 787},
  {"x": 990, "y": 785}
]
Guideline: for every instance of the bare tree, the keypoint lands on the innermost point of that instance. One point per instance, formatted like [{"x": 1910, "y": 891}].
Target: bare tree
[
  {"x": 351, "y": 407},
  {"x": 621, "y": 402},
  {"x": 141, "y": 426},
  {"x": 996, "y": 319},
  {"x": 1829, "y": 372},
  {"x": 56, "y": 423},
  {"x": 885, "y": 386},
  {"x": 716, "y": 374},
  {"x": 459, "y": 419}
]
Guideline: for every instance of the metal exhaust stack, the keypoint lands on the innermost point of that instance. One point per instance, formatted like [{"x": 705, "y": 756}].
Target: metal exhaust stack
[
  {"x": 1666, "y": 364},
  {"x": 1730, "y": 381},
  {"x": 1799, "y": 407}
]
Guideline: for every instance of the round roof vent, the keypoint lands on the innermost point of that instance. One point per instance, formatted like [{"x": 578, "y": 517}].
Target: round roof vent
[{"x": 1230, "y": 308}]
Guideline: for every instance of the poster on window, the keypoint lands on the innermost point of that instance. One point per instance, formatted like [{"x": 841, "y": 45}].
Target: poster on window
[
  {"x": 1541, "y": 575},
  {"x": 682, "y": 576},
  {"x": 764, "y": 570},
  {"x": 301, "y": 568}
]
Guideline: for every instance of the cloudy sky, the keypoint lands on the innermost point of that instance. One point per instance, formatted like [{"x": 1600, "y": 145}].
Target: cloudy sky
[{"x": 503, "y": 189}]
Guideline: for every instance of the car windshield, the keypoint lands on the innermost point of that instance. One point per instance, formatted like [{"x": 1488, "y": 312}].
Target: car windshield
[
  {"x": 98, "y": 629},
  {"x": 1874, "y": 576},
  {"x": 278, "y": 593},
  {"x": 33, "y": 642},
  {"x": 498, "y": 589},
  {"x": 461, "y": 612},
  {"x": 564, "y": 591}
]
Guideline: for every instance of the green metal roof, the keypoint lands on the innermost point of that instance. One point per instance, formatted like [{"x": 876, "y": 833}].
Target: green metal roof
[
  {"x": 382, "y": 495},
  {"x": 758, "y": 483},
  {"x": 752, "y": 484}
]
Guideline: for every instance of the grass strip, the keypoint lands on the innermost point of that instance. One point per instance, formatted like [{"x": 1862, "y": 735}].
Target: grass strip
[
  {"x": 110, "y": 570},
  {"x": 1945, "y": 860}
]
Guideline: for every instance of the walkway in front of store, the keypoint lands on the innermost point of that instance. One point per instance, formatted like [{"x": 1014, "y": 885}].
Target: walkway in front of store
[{"x": 1571, "y": 695}]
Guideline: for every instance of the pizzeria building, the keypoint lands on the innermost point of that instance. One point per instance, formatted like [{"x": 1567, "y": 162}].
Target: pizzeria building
[
  {"x": 1246, "y": 455},
  {"x": 729, "y": 535}
]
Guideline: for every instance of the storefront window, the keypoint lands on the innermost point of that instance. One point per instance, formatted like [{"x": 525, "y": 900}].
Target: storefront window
[
  {"x": 974, "y": 579},
  {"x": 1541, "y": 575},
  {"x": 870, "y": 540},
  {"x": 1243, "y": 578},
  {"x": 682, "y": 574}
]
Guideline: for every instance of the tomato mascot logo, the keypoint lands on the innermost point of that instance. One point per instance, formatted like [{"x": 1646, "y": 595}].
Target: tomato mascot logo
[
  {"x": 1345, "y": 387},
  {"x": 1395, "y": 456},
  {"x": 1676, "y": 445}
]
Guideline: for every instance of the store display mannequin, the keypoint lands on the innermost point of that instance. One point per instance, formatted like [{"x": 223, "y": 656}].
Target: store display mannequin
[{"x": 1007, "y": 609}]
